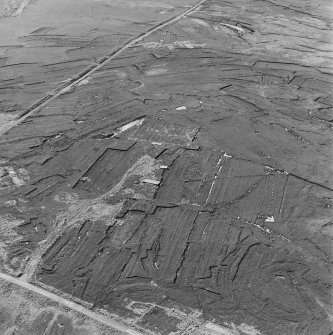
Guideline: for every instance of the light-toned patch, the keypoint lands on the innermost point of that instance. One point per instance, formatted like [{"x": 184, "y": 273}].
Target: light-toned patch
[
  {"x": 121, "y": 74},
  {"x": 149, "y": 4},
  {"x": 151, "y": 181},
  {"x": 102, "y": 209},
  {"x": 234, "y": 28},
  {"x": 127, "y": 126},
  {"x": 12, "y": 7},
  {"x": 99, "y": 209},
  {"x": 172, "y": 46},
  {"x": 151, "y": 45},
  {"x": 11, "y": 177},
  {"x": 218, "y": 330},
  {"x": 84, "y": 81},
  {"x": 230, "y": 329},
  {"x": 270, "y": 219},
  {"x": 188, "y": 44},
  {"x": 6, "y": 122},
  {"x": 156, "y": 72},
  {"x": 21, "y": 7},
  {"x": 243, "y": 329},
  {"x": 200, "y": 22},
  {"x": 139, "y": 308},
  {"x": 8, "y": 236},
  {"x": 26, "y": 311}
]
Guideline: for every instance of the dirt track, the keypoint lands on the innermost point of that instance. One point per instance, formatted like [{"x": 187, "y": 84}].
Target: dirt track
[
  {"x": 71, "y": 83},
  {"x": 70, "y": 304},
  {"x": 180, "y": 179}
]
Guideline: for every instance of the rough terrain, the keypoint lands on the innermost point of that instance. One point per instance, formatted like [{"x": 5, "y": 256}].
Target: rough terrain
[{"x": 168, "y": 173}]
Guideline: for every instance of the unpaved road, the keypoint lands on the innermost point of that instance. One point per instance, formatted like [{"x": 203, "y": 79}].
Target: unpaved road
[
  {"x": 52, "y": 41},
  {"x": 70, "y": 304},
  {"x": 71, "y": 83}
]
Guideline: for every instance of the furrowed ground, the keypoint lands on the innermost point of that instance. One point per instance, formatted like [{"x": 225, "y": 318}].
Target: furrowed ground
[{"x": 167, "y": 168}]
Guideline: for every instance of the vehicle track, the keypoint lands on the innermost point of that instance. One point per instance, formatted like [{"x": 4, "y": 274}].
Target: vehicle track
[{"x": 72, "y": 305}]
